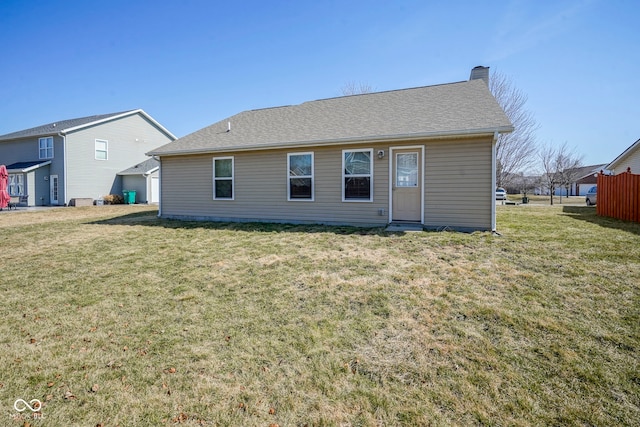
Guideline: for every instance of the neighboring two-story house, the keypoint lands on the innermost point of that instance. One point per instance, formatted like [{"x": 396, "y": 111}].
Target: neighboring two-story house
[{"x": 78, "y": 158}]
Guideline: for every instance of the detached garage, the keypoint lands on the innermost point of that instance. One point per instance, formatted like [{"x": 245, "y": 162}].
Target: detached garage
[{"x": 144, "y": 179}]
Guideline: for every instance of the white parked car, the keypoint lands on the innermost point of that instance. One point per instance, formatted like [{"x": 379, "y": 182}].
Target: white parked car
[
  {"x": 592, "y": 196},
  {"x": 501, "y": 193}
]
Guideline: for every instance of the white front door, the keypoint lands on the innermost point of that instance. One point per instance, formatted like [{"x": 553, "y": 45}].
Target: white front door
[
  {"x": 406, "y": 185},
  {"x": 53, "y": 189}
]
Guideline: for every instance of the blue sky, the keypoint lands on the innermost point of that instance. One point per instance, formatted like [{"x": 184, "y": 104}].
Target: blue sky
[{"x": 190, "y": 63}]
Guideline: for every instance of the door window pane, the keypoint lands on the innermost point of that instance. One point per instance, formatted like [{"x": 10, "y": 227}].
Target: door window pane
[{"x": 407, "y": 170}]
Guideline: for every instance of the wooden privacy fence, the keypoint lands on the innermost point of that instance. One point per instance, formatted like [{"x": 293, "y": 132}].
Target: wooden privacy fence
[{"x": 619, "y": 196}]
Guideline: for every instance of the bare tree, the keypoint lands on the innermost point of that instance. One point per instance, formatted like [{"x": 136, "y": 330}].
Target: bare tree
[
  {"x": 525, "y": 183},
  {"x": 570, "y": 175},
  {"x": 515, "y": 151},
  {"x": 559, "y": 167},
  {"x": 353, "y": 88}
]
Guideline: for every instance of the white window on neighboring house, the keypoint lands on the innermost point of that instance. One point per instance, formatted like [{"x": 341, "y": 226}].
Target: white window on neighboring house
[
  {"x": 300, "y": 176},
  {"x": 357, "y": 175},
  {"x": 45, "y": 147},
  {"x": 16, "y": 184},
  {"x": 223, "y": 178},
  {"x": 101, "y": 149}
]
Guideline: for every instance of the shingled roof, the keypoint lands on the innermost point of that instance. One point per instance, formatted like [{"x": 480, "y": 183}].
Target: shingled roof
[
  {"x": 64, "y": 126},
  {"x": 464, "y": 108},
  {"x": 142, "y": 168},
  {"x": 56, "y": 127}
]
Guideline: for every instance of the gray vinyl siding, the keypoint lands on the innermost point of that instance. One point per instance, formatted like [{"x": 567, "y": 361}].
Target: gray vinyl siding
[
  {"x": 129, "y": 138},
  {"x": 24, "y": 150},
  {"x": 458, "y": 184},
  {"x": 458, "y": 187},
  {"x": 42, "y": 188},
  {"x": 140, "y": 184},
  {"x": 27, "y": 150},
  {"x": 37, "y": 186},
  {"x": 260, "y": 189}
]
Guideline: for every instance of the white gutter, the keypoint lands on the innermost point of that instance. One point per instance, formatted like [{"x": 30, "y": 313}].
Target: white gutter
[
  {"x": 64, "y": 169},
  {"x": 159, "y": 186},
  {"x": 343, "y": 141},
  {"x": 31, "y": 168},
  {"x": 493, "y": 181},
  {"x": 150, "y": 171}
]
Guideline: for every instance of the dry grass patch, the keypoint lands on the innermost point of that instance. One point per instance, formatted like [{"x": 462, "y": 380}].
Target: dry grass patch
[{"x": 113, "y": 316}]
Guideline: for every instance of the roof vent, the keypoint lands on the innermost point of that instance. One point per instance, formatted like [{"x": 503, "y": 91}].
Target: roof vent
[
  {"x": 480, "y": 72},
  {"x": 228, "y": 126}
]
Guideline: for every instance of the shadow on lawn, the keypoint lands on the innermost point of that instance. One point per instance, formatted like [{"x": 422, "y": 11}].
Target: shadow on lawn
[
  {"x": 150, "y": 219},
  {"x": 588, "y": 214}
]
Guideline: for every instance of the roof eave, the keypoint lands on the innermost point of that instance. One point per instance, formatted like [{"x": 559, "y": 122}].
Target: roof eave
[
  {"x": 30, "y": 168},
  {"x": 623, "y": 155},
  {"x": 152, "y": 170},
  {"x": 119, "y": 116},
  {"x": 143, "y": 172},
  {"x": 341, "y": 141}
]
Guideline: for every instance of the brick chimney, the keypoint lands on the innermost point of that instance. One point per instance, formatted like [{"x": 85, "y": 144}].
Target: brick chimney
[{"x": 480, "y": 72}]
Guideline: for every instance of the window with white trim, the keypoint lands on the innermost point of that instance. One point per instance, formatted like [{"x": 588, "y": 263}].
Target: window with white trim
[
  {"x": 101, "y": 149},
  {"x": 223, "y": 178},
  {"x": 357, "y": 175},
  {"x": 300, "y": 176},
  {"x": 16, "y": 184},
  {"x": 45, "y": 147}
]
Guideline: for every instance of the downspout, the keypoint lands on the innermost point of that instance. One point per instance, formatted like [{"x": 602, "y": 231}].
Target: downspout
[
  {"x": 64, "y": 168},
  {"x": 159, "y": 186},
  {"x": 493, "y": 182}
]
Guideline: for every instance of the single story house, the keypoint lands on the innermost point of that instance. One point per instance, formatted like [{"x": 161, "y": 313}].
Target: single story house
[
  {"x": 58, "y": 162},
  {"x": 630, "y": 158},
  {"x": 585, "y": 179},
  {"x": 423, "y": 155}
]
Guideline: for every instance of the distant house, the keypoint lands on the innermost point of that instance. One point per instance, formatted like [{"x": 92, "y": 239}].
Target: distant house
[
  {"x": 78, "y": 158},
  {"x": 586, "y": 178},
  {"x": 630, "y": 158},
  {"x": 424, "y": 155}
]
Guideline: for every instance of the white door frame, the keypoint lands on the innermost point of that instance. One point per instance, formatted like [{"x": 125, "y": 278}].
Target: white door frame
[{"x": 421, "y": 178}]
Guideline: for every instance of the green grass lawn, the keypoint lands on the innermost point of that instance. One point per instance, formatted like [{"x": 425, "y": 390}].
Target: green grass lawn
[{"x": 113, "y": 317}]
